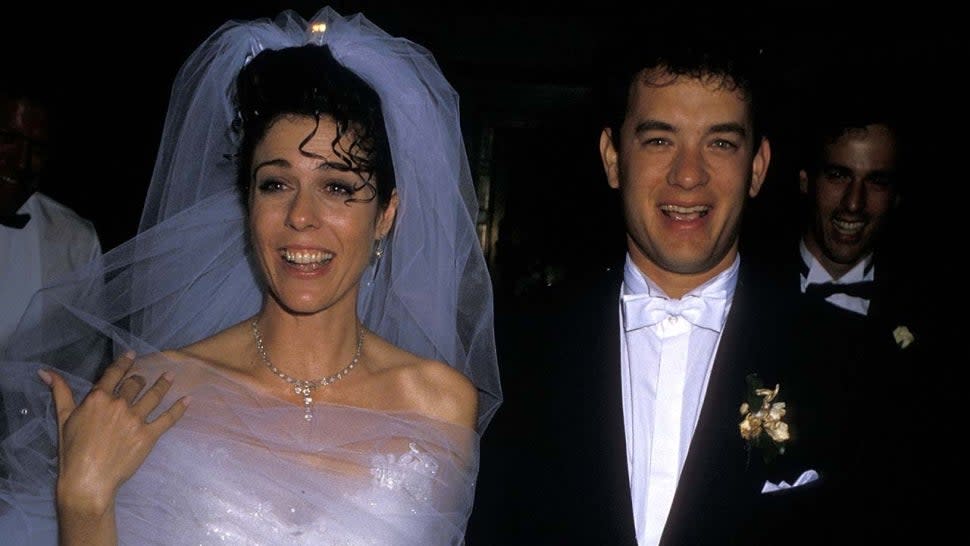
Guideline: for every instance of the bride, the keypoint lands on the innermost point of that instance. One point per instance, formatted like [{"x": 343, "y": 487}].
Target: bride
[{"x": 304, "y": 319}]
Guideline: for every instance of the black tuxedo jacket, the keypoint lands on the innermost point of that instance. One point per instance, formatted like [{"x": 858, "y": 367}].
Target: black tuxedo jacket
[
  {"x": 864, "y": 416},
  {"x": 897, "y": 298},
  {"x": 554, "y": 467}
]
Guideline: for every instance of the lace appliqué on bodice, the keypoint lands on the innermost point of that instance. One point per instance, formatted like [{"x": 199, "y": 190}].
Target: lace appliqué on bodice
[{"x": 412, "y": 472}]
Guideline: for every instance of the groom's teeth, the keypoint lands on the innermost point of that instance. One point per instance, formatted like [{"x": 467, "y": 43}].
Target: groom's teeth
[
  {"x": 679, "y": 212},
  {"x": 684, "y": 210}
]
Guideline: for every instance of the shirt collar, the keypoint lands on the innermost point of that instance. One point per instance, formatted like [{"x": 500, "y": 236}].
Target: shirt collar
[
  {"x": 721, "y": 285},
  {"x": 817, "y": 274}
]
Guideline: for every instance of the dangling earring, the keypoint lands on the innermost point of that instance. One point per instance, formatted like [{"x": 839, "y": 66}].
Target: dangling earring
[
  {"x": 376, "y": 260},
  {"x": 379, "y": 249}
]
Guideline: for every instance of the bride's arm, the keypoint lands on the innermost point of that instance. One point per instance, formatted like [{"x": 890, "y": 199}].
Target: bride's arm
[{"x": 101, "y": 443}]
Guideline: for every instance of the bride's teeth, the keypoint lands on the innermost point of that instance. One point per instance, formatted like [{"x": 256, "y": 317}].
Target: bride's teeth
[{"x": 304, "y": 257}]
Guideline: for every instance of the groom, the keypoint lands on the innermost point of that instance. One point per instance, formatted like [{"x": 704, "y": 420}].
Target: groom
[{"x": 626, "y": 428}]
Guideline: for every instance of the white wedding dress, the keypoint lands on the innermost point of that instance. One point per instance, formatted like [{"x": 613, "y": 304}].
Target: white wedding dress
[{"x": 244, "y": 468}]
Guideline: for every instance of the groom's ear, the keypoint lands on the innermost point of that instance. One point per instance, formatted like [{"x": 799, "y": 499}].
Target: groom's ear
[
  {"x": 759, "y": 167},
  {"x": 609, "y": 156}
]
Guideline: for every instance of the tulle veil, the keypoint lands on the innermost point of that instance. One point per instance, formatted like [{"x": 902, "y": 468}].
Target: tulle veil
[{"x": 187, "y": 273}]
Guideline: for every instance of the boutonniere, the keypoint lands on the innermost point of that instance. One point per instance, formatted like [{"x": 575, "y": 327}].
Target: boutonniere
[
  {"x": 904, "y": 338},
  {"x": 763, "y": 425}
]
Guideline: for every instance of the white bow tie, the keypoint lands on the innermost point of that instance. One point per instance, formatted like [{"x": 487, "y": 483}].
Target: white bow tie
[{"x": 640, "y": 310}]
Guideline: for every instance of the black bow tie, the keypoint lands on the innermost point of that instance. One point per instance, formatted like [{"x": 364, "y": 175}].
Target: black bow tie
[
  {"x": 16, "y": 221},
  {"x": 861, "y": 289}
]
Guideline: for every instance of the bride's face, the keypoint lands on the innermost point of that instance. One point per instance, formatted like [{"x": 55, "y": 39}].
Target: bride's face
[{"x": 313, "y": 223}]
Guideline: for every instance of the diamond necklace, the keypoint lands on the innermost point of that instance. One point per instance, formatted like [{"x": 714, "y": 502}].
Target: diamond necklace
[{"x": 306, "y": 387}]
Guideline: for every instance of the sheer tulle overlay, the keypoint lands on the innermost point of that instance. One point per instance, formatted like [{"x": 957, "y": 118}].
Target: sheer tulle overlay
[
  {"x": 247, "y": 468},
  {"x": 239, "y": 464}
]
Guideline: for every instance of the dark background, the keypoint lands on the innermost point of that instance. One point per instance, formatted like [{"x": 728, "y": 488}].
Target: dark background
[{"x": 525, "y": 79}]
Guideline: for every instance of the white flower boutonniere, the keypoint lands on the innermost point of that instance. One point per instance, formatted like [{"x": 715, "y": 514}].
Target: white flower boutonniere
[
  {"x": 904, "y": 338},
  {"x": 763, "y": 424}
]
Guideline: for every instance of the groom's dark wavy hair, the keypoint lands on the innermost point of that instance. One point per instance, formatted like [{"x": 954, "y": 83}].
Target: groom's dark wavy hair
[
  {"x": 308, "y": 81},
  {"x": 708, "y": 55}
]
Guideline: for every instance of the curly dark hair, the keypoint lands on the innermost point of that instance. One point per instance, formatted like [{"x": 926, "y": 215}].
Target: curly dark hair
[
  {"x": 308, "y": 81},
  {"x": 731, "y": 63}
]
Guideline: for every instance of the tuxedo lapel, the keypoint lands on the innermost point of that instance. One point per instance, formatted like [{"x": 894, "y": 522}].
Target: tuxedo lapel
[
  {"x": 555, "y": 471},
  {"x": 613, "y": 419},
  {"x": 612, "y": 470},
  {"x": 718, "y": 477},
  {"x": 878, "y": 308}
]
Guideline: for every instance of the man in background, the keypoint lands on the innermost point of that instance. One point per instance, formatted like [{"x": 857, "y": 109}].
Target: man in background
[
  {"x": 865, "y": 336},
  {"x": 40, "y": 238}
]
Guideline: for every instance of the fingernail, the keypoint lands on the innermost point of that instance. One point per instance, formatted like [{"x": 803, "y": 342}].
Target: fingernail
[
  {"x": 168, "y": 376},
  {"x": 130, "y": 354},
  {"x": 186, "y": 399},
  {"x": 45, "y": 376}
]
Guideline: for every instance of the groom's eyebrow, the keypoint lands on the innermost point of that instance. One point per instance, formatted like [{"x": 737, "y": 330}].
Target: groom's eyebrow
[
  {"x": 652, "y": 125},
  {"x": 729, "y": 127}
]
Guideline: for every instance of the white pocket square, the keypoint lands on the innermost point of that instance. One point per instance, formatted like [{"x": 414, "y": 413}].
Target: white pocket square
[{"x": 807, "y": 477}]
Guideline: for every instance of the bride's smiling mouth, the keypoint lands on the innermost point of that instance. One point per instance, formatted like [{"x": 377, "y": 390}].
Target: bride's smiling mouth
[{"x": 306, "y": 259}]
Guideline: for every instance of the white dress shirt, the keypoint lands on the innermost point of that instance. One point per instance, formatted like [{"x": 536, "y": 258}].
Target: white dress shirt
[
  {"x": 55, "y": 241},
  {"x": 665, "y": 368},
  {"x": 863, "y": 271}
]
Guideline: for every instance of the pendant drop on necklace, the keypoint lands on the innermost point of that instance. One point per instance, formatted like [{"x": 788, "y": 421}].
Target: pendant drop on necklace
[
  {"x": 307, "y": 401},
  {"x": 303, "y": 387}
]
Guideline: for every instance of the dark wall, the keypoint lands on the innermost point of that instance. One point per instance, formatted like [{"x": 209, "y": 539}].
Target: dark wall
[{"x": 525, "y": 75}]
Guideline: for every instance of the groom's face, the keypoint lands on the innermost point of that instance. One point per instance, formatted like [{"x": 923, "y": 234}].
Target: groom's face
[{"x": 685, "y": 161}]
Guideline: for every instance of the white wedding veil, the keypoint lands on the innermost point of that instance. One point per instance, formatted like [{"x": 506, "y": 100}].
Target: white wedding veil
[{"x": 187, "y": 274}]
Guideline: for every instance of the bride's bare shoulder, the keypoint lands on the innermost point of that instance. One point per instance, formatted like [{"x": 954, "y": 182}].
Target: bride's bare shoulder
[
  {"x": 222, "y": 349},
  {"x": 428, "y": 386}
]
